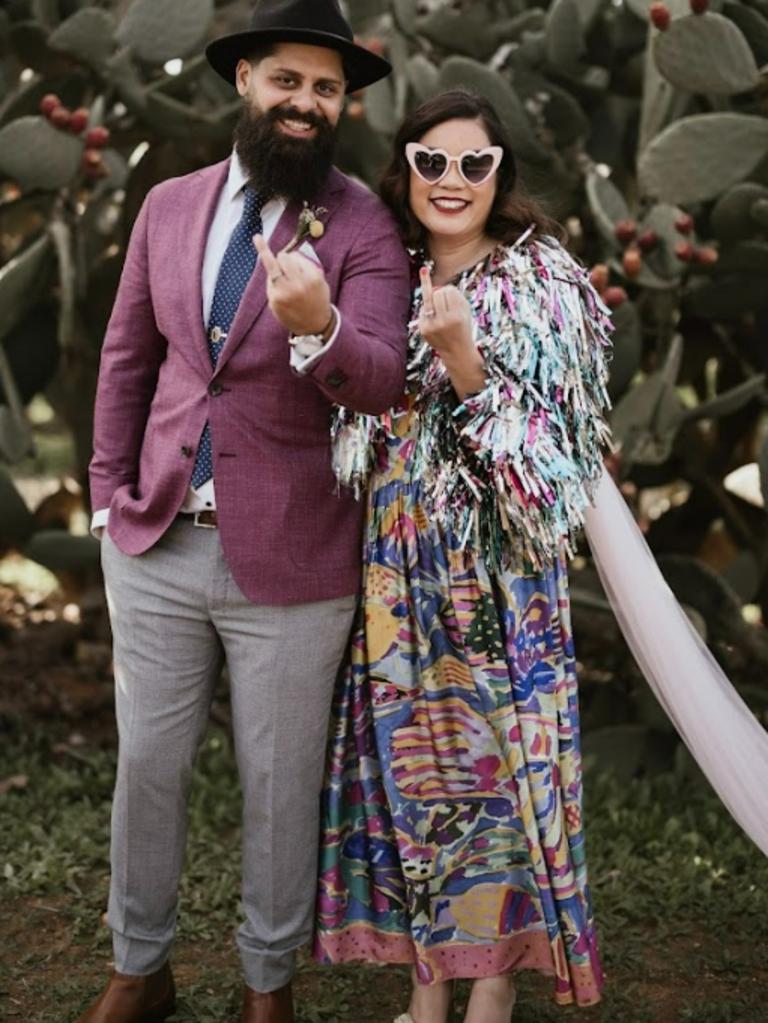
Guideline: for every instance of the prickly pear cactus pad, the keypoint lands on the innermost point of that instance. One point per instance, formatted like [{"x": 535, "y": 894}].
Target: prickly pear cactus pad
[
  {"x": 160, "y": 30},
  {"x": 698, "y": 157},
  {"x": 641, "y": 126},
  {"x": 36, "y": 155}
]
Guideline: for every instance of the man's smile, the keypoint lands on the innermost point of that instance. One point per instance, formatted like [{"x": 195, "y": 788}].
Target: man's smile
[{"x": 297, "y": 127}]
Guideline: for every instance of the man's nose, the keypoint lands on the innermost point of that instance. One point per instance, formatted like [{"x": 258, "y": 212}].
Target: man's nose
[{"x": 304, "y": 100}]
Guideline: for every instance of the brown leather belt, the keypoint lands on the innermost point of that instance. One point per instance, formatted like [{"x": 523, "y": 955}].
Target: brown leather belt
[{"x": 203, "y": 519}]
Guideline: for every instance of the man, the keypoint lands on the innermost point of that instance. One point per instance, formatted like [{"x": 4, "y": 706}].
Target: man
[{"x": 226, "y": 538}]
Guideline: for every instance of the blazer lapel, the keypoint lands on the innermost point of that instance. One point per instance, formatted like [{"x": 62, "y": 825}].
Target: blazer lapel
[
  {"x": 197, "y": 227},
  {"x": 254, "y": 299}
]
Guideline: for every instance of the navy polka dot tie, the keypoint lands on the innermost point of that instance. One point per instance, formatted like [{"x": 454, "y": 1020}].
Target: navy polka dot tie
[{"x": 236, "y": 270}]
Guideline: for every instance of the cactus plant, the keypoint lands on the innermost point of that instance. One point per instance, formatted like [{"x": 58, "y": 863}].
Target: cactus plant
[
  {"x": 96, "y": 88},
  {"x": 707, "y": 54},
  {"x": 650, "y": 114},
  {"x": 697, "y": 157},
  {"x": 156, "y": 31}
]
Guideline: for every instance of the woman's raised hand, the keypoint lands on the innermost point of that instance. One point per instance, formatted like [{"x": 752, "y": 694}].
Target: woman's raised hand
[{"x": 445, "y": 321}]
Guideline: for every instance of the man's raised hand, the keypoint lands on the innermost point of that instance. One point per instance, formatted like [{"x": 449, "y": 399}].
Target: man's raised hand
[{"x": 297, "y": 290}]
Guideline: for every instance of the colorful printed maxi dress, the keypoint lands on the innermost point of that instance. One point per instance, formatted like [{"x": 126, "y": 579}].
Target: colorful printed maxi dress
[{"x": 452, "y": 825}]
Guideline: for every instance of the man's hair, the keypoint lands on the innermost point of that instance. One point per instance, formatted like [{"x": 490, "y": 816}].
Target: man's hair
[{"x": 260, "y": 53}]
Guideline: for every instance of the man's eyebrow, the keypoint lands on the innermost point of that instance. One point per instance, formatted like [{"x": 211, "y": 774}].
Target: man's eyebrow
[{"x": 298, "y": 74}]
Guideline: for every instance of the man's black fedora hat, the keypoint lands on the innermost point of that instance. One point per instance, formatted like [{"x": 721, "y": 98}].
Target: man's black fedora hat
[{"x": 316, "y": 22}]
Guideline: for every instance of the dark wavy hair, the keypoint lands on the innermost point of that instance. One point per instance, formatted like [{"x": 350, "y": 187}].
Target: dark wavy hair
[{"x": 513, "y": 211}]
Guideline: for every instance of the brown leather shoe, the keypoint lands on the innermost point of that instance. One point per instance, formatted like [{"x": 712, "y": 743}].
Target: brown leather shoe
[
  {"x": 127, "y": 999},
  {"x": 275, "y": 1007}
]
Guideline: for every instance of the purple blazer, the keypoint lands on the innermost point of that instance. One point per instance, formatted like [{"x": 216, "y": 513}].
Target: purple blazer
[{"x": 287, "y": 534}]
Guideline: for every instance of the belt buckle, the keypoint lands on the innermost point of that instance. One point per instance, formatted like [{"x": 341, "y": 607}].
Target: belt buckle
[{"x": 196, "y": 521}]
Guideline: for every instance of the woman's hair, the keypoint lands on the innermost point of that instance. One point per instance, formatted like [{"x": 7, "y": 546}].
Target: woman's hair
[{"x": 512, "y": 212}]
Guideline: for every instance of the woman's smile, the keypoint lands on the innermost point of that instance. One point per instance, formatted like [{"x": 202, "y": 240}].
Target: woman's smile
[{"x": 450, "y": 205}]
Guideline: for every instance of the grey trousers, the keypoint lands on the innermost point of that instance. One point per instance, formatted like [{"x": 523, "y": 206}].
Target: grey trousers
[{"x": 177, "y": 615}]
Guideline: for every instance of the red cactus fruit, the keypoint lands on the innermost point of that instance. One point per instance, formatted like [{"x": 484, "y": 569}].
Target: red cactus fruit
[
  {"x": 684, "y": 223},
  {"x": 97, "y": 137},
  {"x": 625, "y": 231},
  {"x": 660, "y": 16},
  {"x": 615, "y": 296},
  {"x": 61, "y": 117},
  {"x": 49, "y": 103},
  {"x": 707, "y": 256},
  {"x": 93, "y": 164},
  {"x": 685, "y": 252},
  {"x": 79, "y": 121},
  {"x": 598, "y": 277},
  {"x": 632, "y": 261},
  {"x": 648, "y": 241}
]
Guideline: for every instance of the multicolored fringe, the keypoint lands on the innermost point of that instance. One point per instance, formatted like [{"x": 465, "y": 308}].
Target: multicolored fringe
[{"x": 511, "y": 470}]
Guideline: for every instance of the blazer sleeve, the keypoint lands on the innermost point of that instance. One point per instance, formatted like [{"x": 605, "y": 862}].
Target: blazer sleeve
[
  {"x": 131, "y": 356},
  {"x": 364, "y": 369}
]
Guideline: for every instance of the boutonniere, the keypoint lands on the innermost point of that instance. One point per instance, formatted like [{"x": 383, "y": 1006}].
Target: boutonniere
[{"x": 309, "y": 226}]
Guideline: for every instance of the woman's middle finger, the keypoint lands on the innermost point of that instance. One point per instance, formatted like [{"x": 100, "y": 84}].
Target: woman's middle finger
[{"x": 441, "y": 302}]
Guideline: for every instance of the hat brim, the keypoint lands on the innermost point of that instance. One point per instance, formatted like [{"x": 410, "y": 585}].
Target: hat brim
[{"x": 362, "y": 67}]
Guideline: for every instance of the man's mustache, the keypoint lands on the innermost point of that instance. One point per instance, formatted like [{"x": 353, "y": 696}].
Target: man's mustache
[{"x": 292, "y": 114}]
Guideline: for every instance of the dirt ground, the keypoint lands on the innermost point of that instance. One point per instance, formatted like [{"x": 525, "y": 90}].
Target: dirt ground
[
  {"x": 55, "y": 675},
  {"x": 59, "y": 975}
]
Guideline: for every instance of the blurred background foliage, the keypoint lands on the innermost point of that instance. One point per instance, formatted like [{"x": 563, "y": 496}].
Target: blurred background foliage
[{"x": 642, "y": 126}]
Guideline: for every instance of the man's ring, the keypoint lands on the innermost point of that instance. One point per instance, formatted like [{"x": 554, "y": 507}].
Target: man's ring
[{"x": 429, "y": 312}]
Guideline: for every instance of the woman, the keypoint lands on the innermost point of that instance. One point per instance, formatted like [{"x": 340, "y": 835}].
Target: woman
[{"x": 453, "y": 835}]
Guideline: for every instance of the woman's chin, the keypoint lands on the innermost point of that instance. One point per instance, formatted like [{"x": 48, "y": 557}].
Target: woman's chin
[{"x": 447, "y": 226}]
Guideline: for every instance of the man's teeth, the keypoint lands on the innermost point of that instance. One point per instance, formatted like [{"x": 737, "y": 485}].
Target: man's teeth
[
  {"x": 450, "y": 204},
  {"x": 297, "y": 125}
]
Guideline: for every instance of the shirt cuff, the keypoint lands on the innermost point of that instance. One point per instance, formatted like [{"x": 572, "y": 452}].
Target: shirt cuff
[
  {"x": 308, "y": 352},
  {"x": 99, "y": 521}
]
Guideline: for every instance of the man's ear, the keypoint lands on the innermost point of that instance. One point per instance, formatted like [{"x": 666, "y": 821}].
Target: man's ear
[{"x": 243, "y": 74}]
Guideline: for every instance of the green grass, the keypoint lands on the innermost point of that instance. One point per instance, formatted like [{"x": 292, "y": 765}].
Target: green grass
[{"x": 681, "y": 898}]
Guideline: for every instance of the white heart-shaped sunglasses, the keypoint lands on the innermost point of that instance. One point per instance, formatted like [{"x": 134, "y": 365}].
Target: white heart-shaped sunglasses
[{"x": 476, "y": 166}]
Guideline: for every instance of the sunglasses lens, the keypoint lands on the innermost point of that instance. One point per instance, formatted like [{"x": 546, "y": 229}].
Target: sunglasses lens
[
  {"x": 431, "y": 166},
  {"x": 477, "y": 169}
]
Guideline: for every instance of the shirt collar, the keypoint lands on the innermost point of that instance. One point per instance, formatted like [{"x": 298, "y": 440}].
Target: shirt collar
[{"x": 237, "y": 179}]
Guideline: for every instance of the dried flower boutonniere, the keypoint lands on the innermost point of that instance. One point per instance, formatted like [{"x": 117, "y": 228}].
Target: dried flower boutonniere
[{"x": 309, "y": 226}]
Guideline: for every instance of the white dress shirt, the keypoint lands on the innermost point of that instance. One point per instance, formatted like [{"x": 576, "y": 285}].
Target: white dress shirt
[{"x": 228, "y": 215}]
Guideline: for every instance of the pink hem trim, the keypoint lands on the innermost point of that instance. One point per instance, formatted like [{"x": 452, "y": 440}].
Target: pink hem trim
[{"x": 528, "y": 951}]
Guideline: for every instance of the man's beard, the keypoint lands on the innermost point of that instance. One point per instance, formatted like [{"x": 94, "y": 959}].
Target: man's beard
[{"x": 280, "y": 165}]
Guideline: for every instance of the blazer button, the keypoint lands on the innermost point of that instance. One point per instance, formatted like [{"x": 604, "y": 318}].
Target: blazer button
[
  {"x": 187, "y": 451},
  {"x": 336, "y": 379},
  {"x": 215, "y": 390}
]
